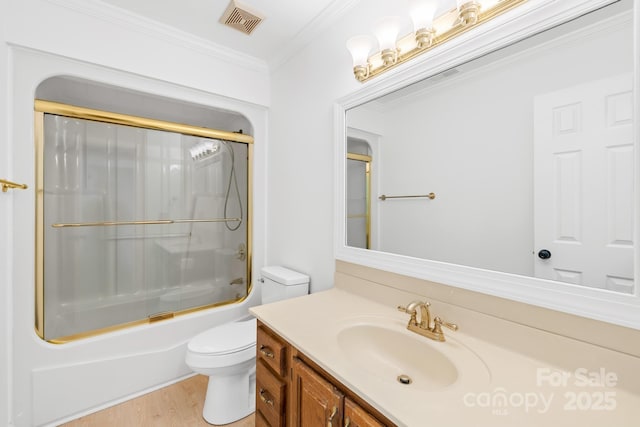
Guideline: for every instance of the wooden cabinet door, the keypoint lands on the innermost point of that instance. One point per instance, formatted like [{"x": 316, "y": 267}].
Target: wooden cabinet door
[
  {"x": 316, "y": 402},
  {"x": 356, "y": 416}
]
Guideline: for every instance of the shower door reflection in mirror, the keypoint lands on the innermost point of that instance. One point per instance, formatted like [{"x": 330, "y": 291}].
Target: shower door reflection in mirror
[
  {"x": 358, "y": 200},
  {"x": 137, "y": 224}
]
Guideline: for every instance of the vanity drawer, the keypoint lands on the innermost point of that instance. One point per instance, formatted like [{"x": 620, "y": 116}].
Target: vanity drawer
[
  {"x": 270, "y": 395},
  {"x": 272, "y": 351}
]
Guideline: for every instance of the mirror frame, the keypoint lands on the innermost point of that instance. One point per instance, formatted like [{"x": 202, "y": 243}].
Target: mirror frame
[{"x": 526, "y": 20}]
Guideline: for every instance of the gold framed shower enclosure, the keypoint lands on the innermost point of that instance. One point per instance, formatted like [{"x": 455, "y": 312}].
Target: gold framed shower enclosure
[{"x": 43, "y": 108}]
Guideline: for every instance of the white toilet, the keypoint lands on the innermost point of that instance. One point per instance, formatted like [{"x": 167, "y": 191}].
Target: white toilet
[{"x": 227, "y": 353}]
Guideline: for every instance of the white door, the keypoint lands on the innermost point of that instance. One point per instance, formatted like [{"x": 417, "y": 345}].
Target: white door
[{"x": 583, "y": 184}]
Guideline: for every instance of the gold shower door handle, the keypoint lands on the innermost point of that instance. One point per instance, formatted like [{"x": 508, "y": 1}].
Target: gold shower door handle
[{"x": 6, "y": 185}]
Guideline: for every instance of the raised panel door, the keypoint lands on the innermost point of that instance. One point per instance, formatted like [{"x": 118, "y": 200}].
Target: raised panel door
[
  {"x": 316, "y": 402},
  {"x": 583, "y": 184}
]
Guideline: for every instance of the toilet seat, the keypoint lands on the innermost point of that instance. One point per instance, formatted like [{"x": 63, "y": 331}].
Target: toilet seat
[{"x": 225, "y": 339}]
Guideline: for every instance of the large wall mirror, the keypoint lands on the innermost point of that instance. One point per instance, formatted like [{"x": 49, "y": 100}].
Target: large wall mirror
[{"x": 512, "y": 172}]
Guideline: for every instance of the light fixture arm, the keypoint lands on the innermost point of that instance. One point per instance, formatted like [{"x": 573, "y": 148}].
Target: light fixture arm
[
  {"x": 425, "y": 37},
  {"x": 362, "y": 72},
  {"x": 469, "y": 13},
  {"x": 389, "y": 57}
]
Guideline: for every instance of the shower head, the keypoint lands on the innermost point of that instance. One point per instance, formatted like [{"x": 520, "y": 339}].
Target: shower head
[{"x": 206, "y": 151}]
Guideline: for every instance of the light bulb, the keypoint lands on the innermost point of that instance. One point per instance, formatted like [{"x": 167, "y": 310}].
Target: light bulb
[
  {"x": 359, "y": 47},
  {"x": 386, "y": 31},
  {"x": 422, "y": 13}
]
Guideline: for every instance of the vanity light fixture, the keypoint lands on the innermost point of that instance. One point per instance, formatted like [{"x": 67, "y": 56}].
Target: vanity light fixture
[{"x": 429, "y": 31}]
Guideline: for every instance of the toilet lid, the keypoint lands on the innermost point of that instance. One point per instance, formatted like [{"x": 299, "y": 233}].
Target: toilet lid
[{"x": 225, "y": 339}]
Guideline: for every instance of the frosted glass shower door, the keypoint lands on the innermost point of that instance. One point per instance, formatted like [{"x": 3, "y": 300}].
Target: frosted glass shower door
[{"x": 138, "y": 223}]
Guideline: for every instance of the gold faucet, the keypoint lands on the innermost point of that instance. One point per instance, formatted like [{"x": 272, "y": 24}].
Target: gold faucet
[{"x": 424, "y": 327}]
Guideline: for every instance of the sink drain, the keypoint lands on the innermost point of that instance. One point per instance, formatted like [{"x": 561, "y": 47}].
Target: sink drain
[{"x": 404, "y": 379}]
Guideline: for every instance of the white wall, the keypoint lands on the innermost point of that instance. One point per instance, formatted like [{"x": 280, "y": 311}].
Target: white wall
[
  {"x": 301, "y": 175},
  {"x": 5, "y": 235},
  {"x": 47, "y": 383}
]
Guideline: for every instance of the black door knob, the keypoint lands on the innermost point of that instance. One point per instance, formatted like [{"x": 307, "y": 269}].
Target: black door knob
[{"x": 544, "y": 254}]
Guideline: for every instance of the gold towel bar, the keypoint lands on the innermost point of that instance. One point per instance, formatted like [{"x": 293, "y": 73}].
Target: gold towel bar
[
  {"x": 149, "y": 222},
  {"x": 6, "y": 185},
  {"x": 430, "y": 196}
]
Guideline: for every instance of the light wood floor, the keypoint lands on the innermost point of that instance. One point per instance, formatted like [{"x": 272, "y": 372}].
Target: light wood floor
[{"x": 178, "y": 405}]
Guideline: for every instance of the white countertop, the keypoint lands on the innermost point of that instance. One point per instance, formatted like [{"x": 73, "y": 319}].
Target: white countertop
[{"x": 495, "y": 386}]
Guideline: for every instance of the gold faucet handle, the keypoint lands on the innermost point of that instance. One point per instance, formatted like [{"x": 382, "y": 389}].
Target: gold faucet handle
[
  {"x": 403, "y": 309},
  {"x": 438, "y": 323},
  {"x": 411, "y": 307},
  {"x": 411, "y": 310}
]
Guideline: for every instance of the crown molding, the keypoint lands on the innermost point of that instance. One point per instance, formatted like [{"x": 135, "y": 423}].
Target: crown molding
[
  {"x": 137, "y": 23},
  {"x": 310, "y": 32}
]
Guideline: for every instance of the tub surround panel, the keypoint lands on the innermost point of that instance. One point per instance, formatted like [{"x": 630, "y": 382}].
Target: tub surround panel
[
  {"x": 380, "y": 285},
  {"x": 56, "y": 383},
  {"x": 98, "y": 383}
]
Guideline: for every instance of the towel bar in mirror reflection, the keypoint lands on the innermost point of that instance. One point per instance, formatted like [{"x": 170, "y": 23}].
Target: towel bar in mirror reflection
[{"x": 430, "y": 196}]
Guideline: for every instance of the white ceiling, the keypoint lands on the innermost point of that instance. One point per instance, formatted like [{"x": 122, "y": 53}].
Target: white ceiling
[{"x": 287, "y": 25}]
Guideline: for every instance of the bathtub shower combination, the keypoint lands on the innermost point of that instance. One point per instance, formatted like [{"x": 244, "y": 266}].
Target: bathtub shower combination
[{"x": 138, "y": 220}]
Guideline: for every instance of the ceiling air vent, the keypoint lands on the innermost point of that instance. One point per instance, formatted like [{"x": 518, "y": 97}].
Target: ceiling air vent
[{"x": 240, "y": 18}]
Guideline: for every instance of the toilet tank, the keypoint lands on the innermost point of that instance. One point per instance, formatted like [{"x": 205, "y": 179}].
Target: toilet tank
[{"x": 280, "y": 283}]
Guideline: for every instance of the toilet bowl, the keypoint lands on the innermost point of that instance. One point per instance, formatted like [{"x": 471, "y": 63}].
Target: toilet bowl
[{"x": 227, "y": 353}]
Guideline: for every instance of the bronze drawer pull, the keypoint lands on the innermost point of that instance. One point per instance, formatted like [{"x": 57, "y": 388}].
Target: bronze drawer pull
[
  {"x": 266, "y": 351},
  {"x": 347, "y": 422},
  {"x": 266, "y": 400},
  {"x": 333, "y": 414}
]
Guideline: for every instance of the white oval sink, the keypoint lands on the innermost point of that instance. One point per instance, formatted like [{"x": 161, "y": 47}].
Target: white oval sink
[{"x": 390, "y": 353}]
